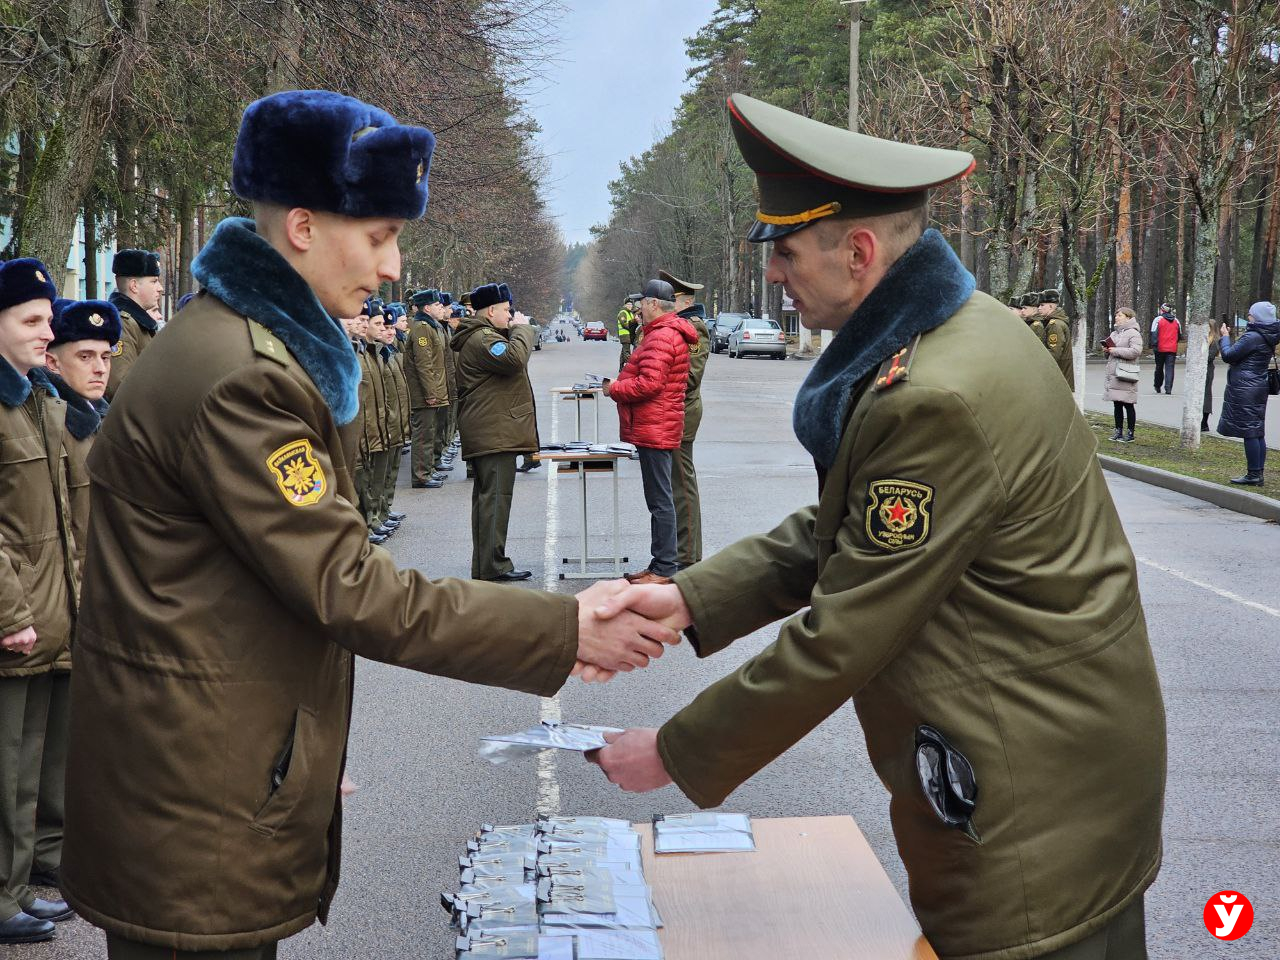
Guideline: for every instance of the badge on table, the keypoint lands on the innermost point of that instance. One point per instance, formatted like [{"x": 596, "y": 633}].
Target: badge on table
[
  {"x": 298, "y": 475},
  {"x": 898, "y": 513}
]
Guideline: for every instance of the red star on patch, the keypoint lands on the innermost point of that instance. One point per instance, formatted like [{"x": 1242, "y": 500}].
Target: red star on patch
[{"x": 897, "y": 512}]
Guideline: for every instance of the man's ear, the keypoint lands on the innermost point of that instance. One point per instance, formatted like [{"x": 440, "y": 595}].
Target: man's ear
[
  {"x": 300, "y": 229},
  {"x": 51, "y": 362},
  {"x": 862, "y": 246}
]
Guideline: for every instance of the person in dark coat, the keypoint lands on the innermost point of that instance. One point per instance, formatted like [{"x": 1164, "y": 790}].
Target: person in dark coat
[
  {"x": 1244, "y": 406},
  {"x": 1208, "y": 378}
]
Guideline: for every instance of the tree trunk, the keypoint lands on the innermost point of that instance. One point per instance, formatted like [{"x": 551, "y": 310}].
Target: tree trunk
[
  {"x": 1196, "y": 323},
  {"x": 1267, "y": 269},
  {"x": 1124, "y": 235},
  {"x": 186, "y": 251},
  {"x": 1222, "y": 268},
  {"x": 90, "y": 249}
]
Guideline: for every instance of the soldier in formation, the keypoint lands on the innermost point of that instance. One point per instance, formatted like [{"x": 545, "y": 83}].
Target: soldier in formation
[
  {"x": 428, "y": 377},
  {"x": 137, "y": 295}
]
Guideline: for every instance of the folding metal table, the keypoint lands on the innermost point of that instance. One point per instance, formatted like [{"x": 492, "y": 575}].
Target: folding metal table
[
  {"x": 581, "y": 458},
  {"x": 577, "y": 395}
]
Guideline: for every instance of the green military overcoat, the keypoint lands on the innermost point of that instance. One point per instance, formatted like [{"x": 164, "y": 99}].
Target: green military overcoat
[
  {"x": 230, "y": 581},
  {"x": 1057, "y": 338},
  {"x": 495, "y": 399},
  {"x": 963, "y": 571},
  {"x": 395, "y": 423},
  {"x": 424, "y": 364},
  {"x": 38, "y": 577},
  {"x": 698, "y": 354},
  {"x": 375, "y": 414}
]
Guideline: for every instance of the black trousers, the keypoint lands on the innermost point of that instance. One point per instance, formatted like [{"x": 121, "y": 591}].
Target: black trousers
[
  {"x": 1164, "y": 371},
  {"x": 655, "y": 472},
  {"x": 1125, "y": 411},
  {"x": 1124, "y": 938}
]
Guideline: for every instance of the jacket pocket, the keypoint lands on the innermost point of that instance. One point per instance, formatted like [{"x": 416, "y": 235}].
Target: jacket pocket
[
  {"x": 521, "y": 410},
  {"x": 289, "y": 775}
]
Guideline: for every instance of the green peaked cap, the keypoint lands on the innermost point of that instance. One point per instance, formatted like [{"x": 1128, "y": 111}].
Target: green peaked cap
[{"x": 806, "y": 170}]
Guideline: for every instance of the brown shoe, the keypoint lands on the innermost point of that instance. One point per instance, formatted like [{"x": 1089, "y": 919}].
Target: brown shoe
[{"x": 645, "y": 576}]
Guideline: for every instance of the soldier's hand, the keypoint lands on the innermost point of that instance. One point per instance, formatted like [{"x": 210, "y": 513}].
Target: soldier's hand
[
  {"x": 590, "y": 673},
  {"x": 631, "y": 760},
  {"x": 518, "y": 319},
  {"x": 23, "y": 642},
  {"x": 623, "y": 641},
  {"x": 662, "y": 602}
]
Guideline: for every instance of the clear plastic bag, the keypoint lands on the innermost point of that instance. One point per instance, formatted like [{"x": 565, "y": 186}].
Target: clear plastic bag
[{"x": 548, "y": 735}]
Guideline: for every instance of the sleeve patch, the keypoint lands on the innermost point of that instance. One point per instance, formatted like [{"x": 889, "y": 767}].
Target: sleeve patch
[
  {"x": 117, "y": 348},
  {"x": 297, "y": 473},
  {"x": 497, "y": 349},
  {"x": 422, "y": 341},
  {"x": 898, "y": 514}
]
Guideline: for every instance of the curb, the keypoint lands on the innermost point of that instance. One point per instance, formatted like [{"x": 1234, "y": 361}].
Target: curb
[{"x": 1241, "y": 501}]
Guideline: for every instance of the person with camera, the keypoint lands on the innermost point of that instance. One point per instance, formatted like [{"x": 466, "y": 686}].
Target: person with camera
[
  {"x": 1244, "y": 405},
  {"x": 1123, "y": 348}
]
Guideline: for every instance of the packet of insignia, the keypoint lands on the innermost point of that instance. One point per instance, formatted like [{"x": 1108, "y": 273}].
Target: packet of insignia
[
  {"x": 504, "y": 843},
  {"x": 629, "y": 912},
  {"x": 612, "y": 824},
  {"x": 515, "y": 946},
  {"x": 618, "y": 945},
  {"x": 628, "y": 448},
  {"x": 549, "y": 734},
  {"x": 502, "y": 916},
  {"x": 562, "y": 895},
  {"x": 468, "y": 900},
  {"x": 600, "y": 849},
  {"x": 702, "y": 833}
]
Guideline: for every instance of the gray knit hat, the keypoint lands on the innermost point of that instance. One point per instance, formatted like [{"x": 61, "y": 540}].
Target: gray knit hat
[{"x": 1264, "y": 311}]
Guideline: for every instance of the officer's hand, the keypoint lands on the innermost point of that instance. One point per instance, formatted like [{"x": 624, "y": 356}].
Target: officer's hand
[
  {"x": 23, "y": 642},
  {"x": 622, "y": 642},
  {"x": 662, "y": 602},
  {"x": 519, "y": 319},
  {"x": 632, "y": 760}
]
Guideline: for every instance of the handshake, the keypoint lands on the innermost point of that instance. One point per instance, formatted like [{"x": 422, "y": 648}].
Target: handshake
[{"x": 622, "y": 626}]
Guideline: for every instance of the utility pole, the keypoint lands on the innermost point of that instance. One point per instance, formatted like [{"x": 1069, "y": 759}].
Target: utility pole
[{"x": 855, "y": 37}]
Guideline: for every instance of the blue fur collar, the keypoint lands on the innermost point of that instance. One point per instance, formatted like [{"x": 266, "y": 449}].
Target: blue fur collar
[
  {"x": 84, "y": 416},
  {"x": 920, "y": 291},
  {"x": 248, "y": 275},
  {"x": 125, "y": 304},
  {"x": 14, "y": 387}
]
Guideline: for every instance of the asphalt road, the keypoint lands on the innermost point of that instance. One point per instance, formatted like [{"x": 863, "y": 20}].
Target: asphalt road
[{"x": 1211, "y": 598}]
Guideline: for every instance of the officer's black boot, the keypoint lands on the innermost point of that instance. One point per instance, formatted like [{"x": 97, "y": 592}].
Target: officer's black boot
[{"x": 1253, "y": 478}]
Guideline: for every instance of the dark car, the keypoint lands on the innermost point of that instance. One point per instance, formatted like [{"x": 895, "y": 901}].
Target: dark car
[{"x": 720, "y": 328}]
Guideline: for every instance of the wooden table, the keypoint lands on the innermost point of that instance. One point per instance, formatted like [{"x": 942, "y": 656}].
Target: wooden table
[
  {"x": 812, "y": 889},
  {"x": 578, "y": 460},
  {"x": 577, "y": 395}
]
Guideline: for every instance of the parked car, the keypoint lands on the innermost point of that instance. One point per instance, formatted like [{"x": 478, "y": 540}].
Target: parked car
[
  {"x": 753, "y": 335},
  {"x": 720, "y": 327},
  {"x": 595, "y": 330}
]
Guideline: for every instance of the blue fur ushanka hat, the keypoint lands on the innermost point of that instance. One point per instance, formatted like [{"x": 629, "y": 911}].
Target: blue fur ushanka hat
[
  {"x": 446, "y": 298},
  {"x": 487, "y": 295},
  {"x": 23, "y": 280},
  {"x": 85, "y": 320},
  {"x": 136, "y": 263},
  {"x": 506, "y": 294},
  {"x": 424, "y": 298},
  {"x": 324, "y": 151}
]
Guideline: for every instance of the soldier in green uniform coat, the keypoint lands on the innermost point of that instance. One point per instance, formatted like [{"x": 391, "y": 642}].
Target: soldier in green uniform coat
[
  {"x": 496, "y": 418},
  {"x": 1057, "y": 335},
  {"x": 79, "y": 366},
  {"x": 428, "y": 388},
  {"x": 1028, "y": 310},
  {"x": 377, "y": 444},
  {"x": 942, "y": 580},
  {"x": 684, "y": 478},
  {"x": 39, "y": 585},
  {"x": 396, "y": 399},
  {"x": 448, "y": 324},
  {"x": 209, "y": 727}
]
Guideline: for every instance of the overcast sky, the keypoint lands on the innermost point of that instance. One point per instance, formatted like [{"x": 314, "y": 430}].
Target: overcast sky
[{"x": 612, "y": 94}]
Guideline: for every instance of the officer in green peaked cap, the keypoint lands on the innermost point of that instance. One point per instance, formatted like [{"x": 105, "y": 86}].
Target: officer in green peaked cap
[{"x": 997, "y": 657}]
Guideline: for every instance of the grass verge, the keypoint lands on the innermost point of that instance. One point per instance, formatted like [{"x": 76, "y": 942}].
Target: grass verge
[{"x": 1217, "y": 460}]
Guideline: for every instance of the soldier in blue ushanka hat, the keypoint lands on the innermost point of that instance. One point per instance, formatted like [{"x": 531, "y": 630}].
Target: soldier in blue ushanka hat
[
  {"x": 139, "y": 290},
  {"x": 231, "y": 577}
]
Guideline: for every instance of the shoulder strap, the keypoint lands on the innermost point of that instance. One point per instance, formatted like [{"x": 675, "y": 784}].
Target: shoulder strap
[
  {"x": 897, "y": 368},
  {"x": 265, "y": 343}
]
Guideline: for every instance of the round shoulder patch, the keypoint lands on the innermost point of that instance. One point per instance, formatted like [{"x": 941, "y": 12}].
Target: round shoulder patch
[
  {"x": 497, "y": 349},
  {"x": 422, "y": 341}
]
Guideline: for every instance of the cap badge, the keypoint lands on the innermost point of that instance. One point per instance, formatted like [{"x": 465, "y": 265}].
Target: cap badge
[
  {"x": 96, "y": 319},
  {"x": 422, "y": 169},
  {"x": 40, "y": 277}
]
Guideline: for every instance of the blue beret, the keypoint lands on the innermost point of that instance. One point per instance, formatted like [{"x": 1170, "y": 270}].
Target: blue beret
[
  {"x": 136, "y": 263},
  {"x": 323, "y": 151},
  {"x": 487, "y": 295},
  {"x": 23, "y": 280},
  {"x": 85, "y": 320}
]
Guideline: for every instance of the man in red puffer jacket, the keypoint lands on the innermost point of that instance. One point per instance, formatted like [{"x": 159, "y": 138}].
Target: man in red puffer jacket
[{"x": 649, "y": 393}]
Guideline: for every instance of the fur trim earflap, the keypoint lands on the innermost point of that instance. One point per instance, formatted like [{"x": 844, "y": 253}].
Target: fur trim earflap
[
  {"x": 324, "y": 151},
  {"x": 23, "y": 280},
  {"x": 505, "y": 294},
  {"x": 85, "y": 320}
]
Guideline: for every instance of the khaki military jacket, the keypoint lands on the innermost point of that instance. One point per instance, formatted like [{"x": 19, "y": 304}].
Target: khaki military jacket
[
  {"x": 402, "y": 393},
  {"x": 450, "y": 364},
  {"x": 38, "y": 579},
  {"x": 391, "y": 397},
  {"x": 1057, "y": 339},
  {"x": 1036, "y": 327},
  {"x": 963, "y": 571},
  {"x": 424, "y": 365},
  {"x": 495, "y": 399},
  {"x": 375, "y": 414},
  {"x": 230, "y": 581},
  {"x": 137, "y": 329},
  {"x": 698, "y": 354}
]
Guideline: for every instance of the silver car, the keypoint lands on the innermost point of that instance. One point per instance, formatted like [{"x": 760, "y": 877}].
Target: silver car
[{"x": 753, "y": 335}]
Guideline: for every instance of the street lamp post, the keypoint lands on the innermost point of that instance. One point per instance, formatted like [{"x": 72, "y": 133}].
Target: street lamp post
[{"x": 855, "y": 35}]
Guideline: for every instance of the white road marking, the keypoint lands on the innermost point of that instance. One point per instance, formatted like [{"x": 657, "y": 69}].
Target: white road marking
[
  {"x": 1225, "y": 594},
  {"x": 549, "y": 707}
]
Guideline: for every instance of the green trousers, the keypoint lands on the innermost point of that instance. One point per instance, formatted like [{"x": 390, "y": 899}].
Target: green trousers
[
  {"x": 24, "y": 710},
  {"x": 1124, "y": 938},
  {"x": 51, "y": 801},
  {"x": 370, "y": 492},
  {"x": 490, "y": 513},
  {"x": 119, "y": 948},
  {"x": 422, "y": 427},
  {"x": 625, "y": 355},
  {"x": 684, "y": 489},
  {"x": 442, "y": 434},
  {"x": 389, "y": 478}
]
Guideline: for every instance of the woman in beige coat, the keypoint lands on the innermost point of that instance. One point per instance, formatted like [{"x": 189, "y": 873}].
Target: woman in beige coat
[{"x": 1123, "y": 346}]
